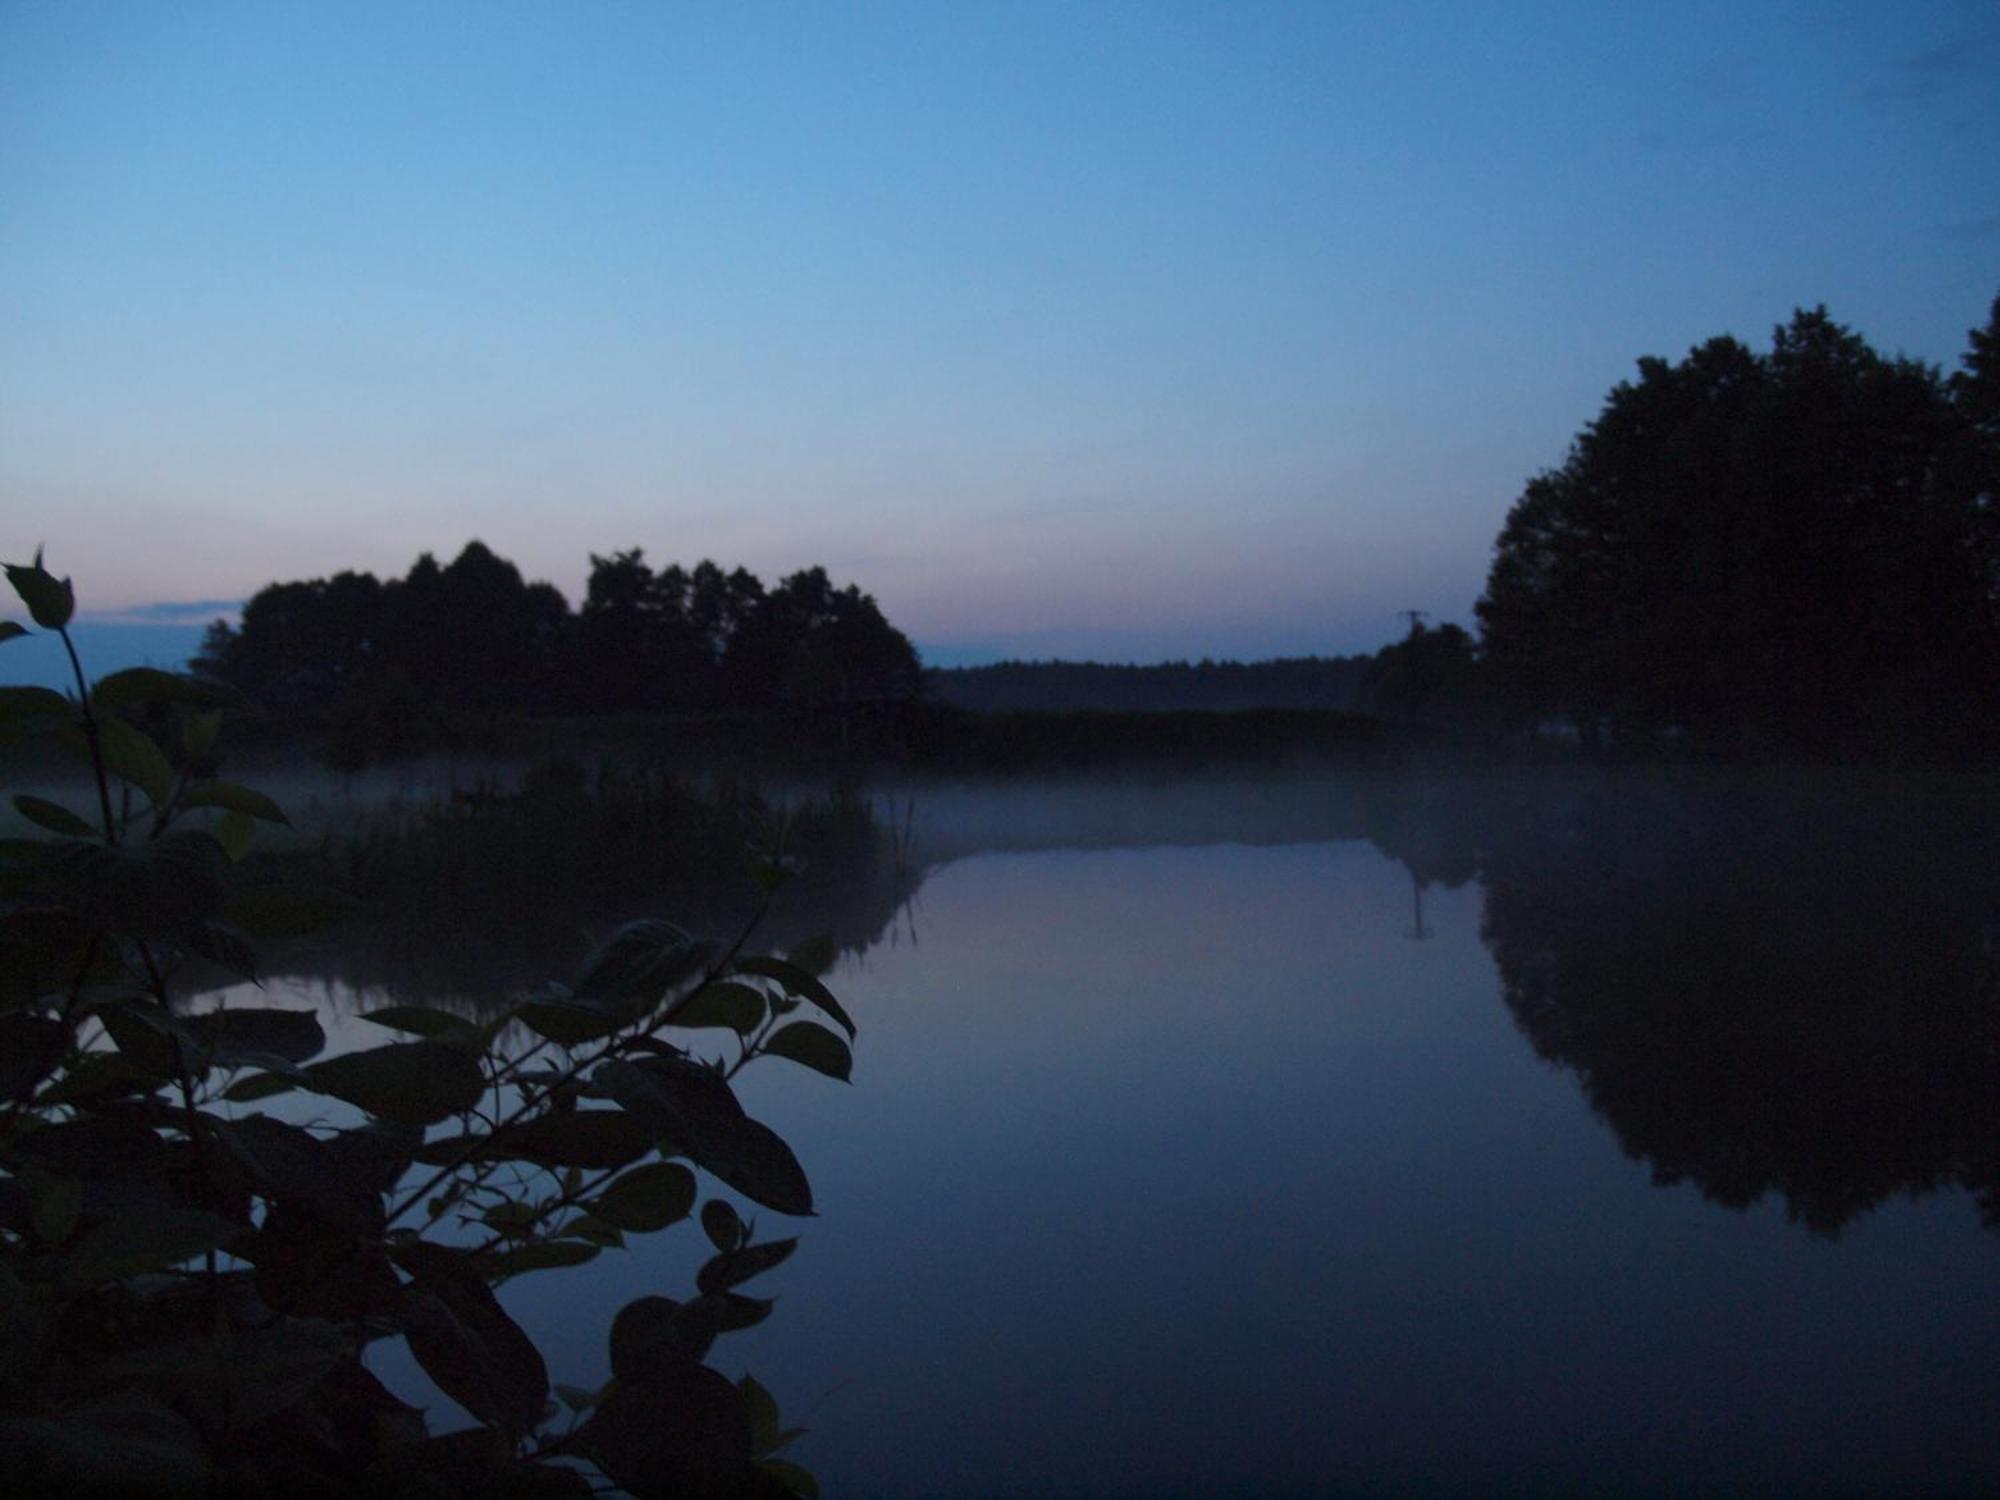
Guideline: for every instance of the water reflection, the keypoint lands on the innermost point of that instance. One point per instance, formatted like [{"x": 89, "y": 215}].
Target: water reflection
[
  {"x": 1173, "y": 1166},
  {"x": 1761, "y": 989},
  {"x": 1761, "y": 993}
]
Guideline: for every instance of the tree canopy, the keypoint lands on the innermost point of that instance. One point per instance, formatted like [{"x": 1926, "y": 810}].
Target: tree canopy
[
  {"x": 473, "y": 635},
  {"x": 1788, "y": 552}
]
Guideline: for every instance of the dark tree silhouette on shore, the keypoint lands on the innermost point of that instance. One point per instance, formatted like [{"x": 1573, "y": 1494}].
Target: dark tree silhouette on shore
[
  {"x": 1779, "y": 553},
  {"x": 382, "y": 660}
]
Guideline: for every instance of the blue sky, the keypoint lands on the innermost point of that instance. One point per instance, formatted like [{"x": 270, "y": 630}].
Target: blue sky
[{"x": 1121, "y": 331}]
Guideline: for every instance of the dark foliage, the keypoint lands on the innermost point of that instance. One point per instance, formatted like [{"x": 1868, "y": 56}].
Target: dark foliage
[
  {"x": 1791, "y": 553},
  {"x": 1763, "y": 991},
  {"x": 424, "y": 659},
  {"x": 1333, "y": 683},
  {"x": 942, "y": 738},
  {"x": 187, "y": 1287}
]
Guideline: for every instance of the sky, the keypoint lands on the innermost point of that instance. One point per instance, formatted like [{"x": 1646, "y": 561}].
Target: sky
[{"x": 1110, "y": 331}]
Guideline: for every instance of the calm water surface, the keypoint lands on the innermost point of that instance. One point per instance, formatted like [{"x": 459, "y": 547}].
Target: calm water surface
[{"x": 1405, "y": 1138}]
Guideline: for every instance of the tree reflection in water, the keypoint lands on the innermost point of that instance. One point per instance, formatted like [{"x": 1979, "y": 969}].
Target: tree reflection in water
[
  {"x": 1764, "y": 986},
  {"x": 1763, "y": 991}
]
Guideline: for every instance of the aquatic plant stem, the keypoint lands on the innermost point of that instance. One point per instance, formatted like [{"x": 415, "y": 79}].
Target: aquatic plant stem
[{"x": 91, "y": 738}]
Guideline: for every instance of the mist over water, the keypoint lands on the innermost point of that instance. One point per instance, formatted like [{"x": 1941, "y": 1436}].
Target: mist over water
[{"x": 1213, "y": 1136}]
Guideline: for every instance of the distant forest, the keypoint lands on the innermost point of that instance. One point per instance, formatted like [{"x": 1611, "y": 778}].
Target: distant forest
[
  {"x": 1339, "y": 683},
  {"x": 1428, "y": 675},
  {"x": 388, "y": 664},
  {"x": 1793, "y": 554},
  {"x": 391, "y": 664}
]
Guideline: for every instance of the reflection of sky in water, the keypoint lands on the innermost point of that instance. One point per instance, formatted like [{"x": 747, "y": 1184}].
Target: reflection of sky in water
[{"x": 1182, "y": 1170}]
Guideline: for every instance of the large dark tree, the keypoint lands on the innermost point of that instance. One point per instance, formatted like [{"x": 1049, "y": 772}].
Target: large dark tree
[
  {"x": 813, "y": 649},
  {"x": 1778, "y": 553},
  {"x": 398, "y": 663},
  {"x": 1428, "y": 677},
  {"x": 468, "y": 635}
]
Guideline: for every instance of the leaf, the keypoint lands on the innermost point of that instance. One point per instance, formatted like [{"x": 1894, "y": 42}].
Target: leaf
[
  {"x": 258, "y": 1086},
  {"x": 762, "y": 1409},
  {"x": 257, "y": 1036},
  {"x": 688, "y": 1105},
  {"x": 426, "y": 1021},
  {"x": 648, "y": 1339},
  {"x": 291, "y": 1166},
  {"x": 54, "y": 817},
  {"x": 128, "y": 1244},
  {"x": 797, "y": 982},
  {"x": 685, "y": 1433},
  {"x": 50, "y": 601},
  {"x": 812, "y": 1045},
  {"x": 223, "y": 946},
  {"x": 131, "y": 755},
  {"x": 161, "y": 889},
  {"x": 589, "y": 1227},
  {"x": 125, "y": 1443},
  {"x": 228, "y": 795},
  {"x": 134, "y": 685},
  {"x": 734, "y": 1267},
  {"x": 652, "y": 1336},
  {"x": 647, "y": 1198},
  {"x": 90, "y": 1147},
  {"x": 53, "y": 1204},
  {"x": 307, "y": 1267},
  {"x": 234, "y": 831},
  {"x": 795, "y": 1479},
  {"x": 636, "y": 966},
  {"x": 467, "y": 1343},
  {"x": 30, "y": 1046},
  {"x": 514, "y": 1219},
  {"x": 199, "y": 732},
  {"x": 416, "y": 1083},
  {"x": 733, "y": 1312},
  {"x": 43, "y": 950},
  {"x": 576, "y": 1398},
  {"x": 377, "y": 1154},
  {"x": 720, "y": 1224},
  {"x": 736, "y": 1006},
  {"x": 569, "y": 1022},
  {"x": 545, "y": 1255},
  {"x": 816, "y": 955},
  {"x": 9, "y": 630},
  {"x": 96, "y": 1077},
  {"x": 594, "y": 1139},
  {"x": 33, "y": 710},
  {"x": 273, "y": 1369},
  {"x": 151, "y": 1040}
]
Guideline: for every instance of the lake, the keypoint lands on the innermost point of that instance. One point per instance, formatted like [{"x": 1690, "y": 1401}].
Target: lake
[{"x": 1551, "y": 1133}]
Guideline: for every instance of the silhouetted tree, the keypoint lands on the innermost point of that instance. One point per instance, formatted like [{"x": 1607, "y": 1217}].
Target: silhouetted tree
[
  {"x": 1760, "y": 553},
  {"x": 1430, "y": 676},
  {"x": 632, "y": 643},
  {"x": 302, "y": 643},
  {"x": 814, "y": 649},
  {"x": 397, "y": 663}
]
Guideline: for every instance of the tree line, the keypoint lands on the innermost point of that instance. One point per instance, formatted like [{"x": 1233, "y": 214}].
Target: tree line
[
  {"x": 473, "y": 635},
  {"x": 1794, "y": 552},
  {"x": 1786, "y": 553},
  {"x": 1337, "y": 683}
]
